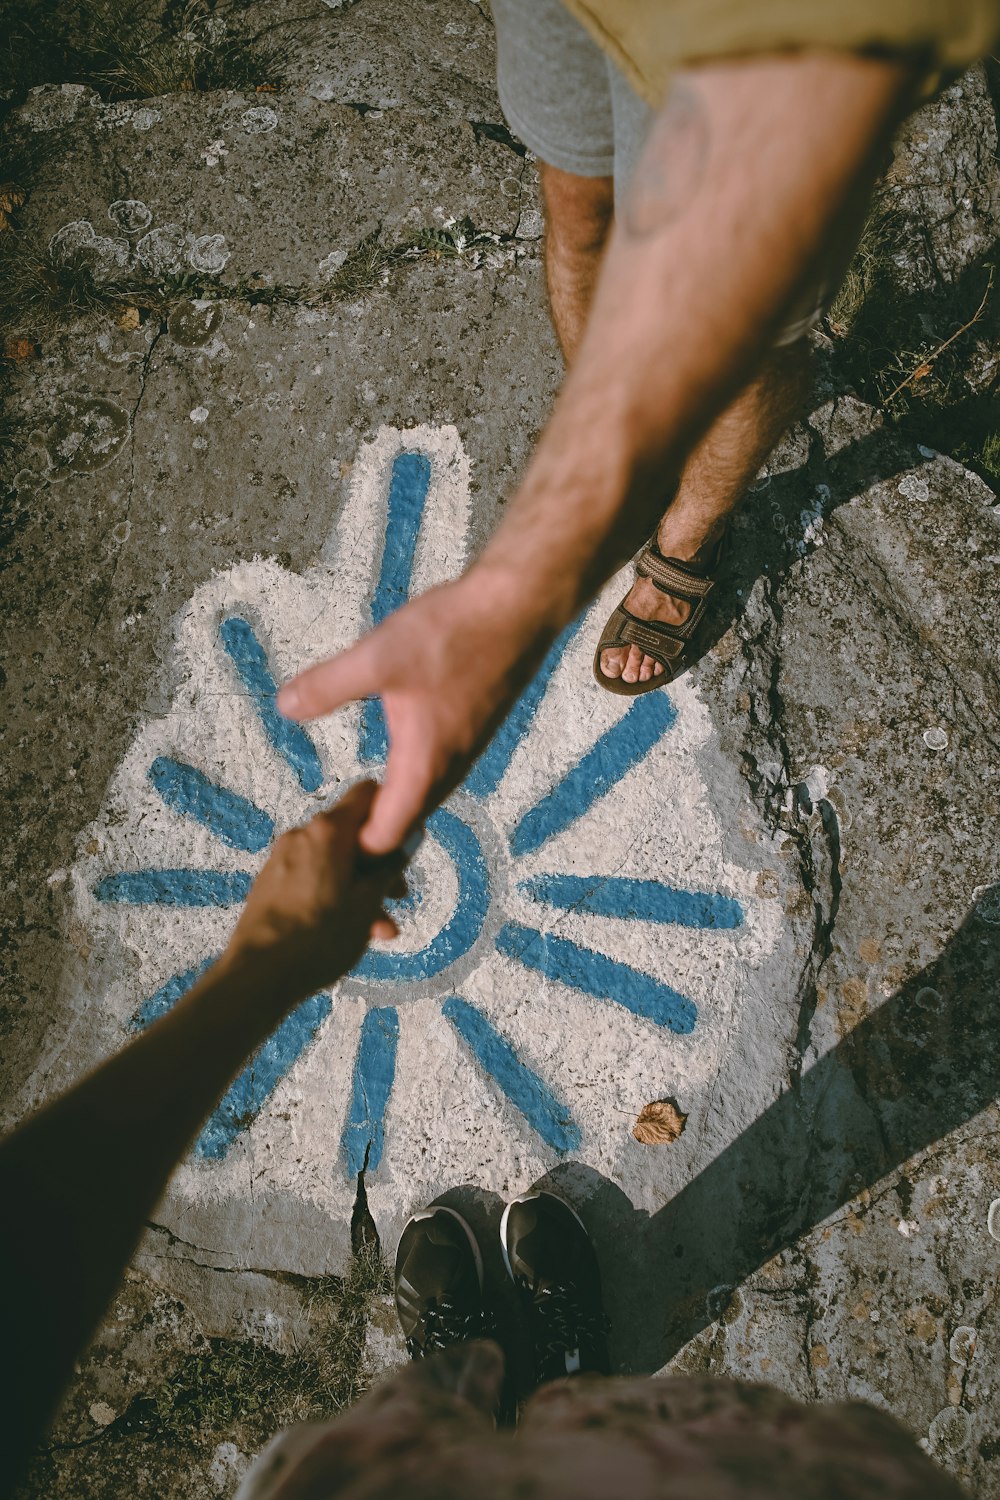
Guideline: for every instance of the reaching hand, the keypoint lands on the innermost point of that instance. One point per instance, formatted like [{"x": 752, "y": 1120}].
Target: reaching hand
[
  {"x": 447, "y": 668},
  {"x": 313, "y": 907}
]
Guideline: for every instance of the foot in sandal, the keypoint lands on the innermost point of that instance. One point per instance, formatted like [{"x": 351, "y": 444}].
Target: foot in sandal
[{"x": 653, "y": 634}]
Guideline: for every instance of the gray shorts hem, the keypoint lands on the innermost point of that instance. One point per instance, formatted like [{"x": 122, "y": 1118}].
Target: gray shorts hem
[{"x": 580, "y": 163}]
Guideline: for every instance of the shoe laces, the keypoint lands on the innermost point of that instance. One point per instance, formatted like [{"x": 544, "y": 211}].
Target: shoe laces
[
  {"x": 563, "y": 1325},
  {"x": 444, "y": 1324}
]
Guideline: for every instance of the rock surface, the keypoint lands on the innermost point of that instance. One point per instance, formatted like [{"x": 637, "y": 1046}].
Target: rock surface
[
  {"x": 942, "y": 187},
  {"x": 828, "y": 1217}
]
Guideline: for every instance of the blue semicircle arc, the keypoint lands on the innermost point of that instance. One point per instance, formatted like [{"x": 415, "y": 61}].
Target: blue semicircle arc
[{"x": 463, "y": 927}]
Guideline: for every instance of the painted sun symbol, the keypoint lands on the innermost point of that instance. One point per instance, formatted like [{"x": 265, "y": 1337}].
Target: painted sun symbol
[{"x": 517, "y": 886}]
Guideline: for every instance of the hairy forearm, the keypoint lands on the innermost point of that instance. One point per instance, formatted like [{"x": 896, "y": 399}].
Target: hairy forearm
[
  {"x": 80, "y": 1179},
  {"x": 732, "y": 204}
]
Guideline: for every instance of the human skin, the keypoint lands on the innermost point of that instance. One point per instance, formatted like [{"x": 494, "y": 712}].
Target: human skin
[
  {"x": 683, "y": 315},
  {"x": 579, "y": 214},
  {"x": 80, "y": 1178}
]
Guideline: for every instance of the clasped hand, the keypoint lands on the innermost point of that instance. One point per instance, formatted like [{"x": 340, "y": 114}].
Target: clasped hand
[{"x": 318, "y": 900}]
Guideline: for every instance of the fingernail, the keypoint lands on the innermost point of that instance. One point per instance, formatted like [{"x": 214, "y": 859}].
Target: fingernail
[{"x": 412, "y": 842}]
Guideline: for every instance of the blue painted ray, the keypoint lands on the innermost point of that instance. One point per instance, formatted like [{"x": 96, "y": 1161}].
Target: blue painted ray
[
  {"x": 290, "y": 740},
  {"x": 232, "y": 818},
  {"x": 637, "y": 900},
  {"x": 459, "y": 933},
  {"x": 620, "y": 748},
  {"x": 248, "y": 1093},
  {"x": 411, "y": 477},
  {"x": 374, "y": 1072},
  {"x": 175, "y": 887},
  {"x": 250, "y": 1090},
  {"x": 489, "y": 769},
  {"x": 526, "y": 1091},
  {"x": 167, "y": 996},
  {"x": 593, "y": 973}
]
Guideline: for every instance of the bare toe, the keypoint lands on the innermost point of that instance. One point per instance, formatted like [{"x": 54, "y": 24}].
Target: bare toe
[
  {"x": 631, "y": 672},
  {"x": 611, "y": 663},
  {"x": 657, "y": 669},
  {"x": 646, "y": 670}
]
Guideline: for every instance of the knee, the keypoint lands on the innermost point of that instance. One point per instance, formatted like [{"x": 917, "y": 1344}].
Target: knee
[{"x": 578, "y": 210}]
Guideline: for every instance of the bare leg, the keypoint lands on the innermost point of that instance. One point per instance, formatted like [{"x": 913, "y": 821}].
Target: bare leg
[
  {"x": 578, "y": 214},
  {"x": 714, "y": 481}
]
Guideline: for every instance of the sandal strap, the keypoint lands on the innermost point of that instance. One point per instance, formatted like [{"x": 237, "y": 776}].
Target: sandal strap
[
  {"x": 670, "y": 577},
  {"x": 665, "y": 643}
]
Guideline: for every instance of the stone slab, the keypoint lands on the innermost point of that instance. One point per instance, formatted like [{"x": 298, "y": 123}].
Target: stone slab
[{"x": 829, "y": 1218}]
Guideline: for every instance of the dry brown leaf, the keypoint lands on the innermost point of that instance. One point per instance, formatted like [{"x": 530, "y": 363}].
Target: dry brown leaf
[
  {"x": 921, "y": 372},
  {"x": 659, "y": 1123},
  {"x": 129, "y": 319},
  {"x": 265, "y": 88},
  {"x": 15, "y": 349}
]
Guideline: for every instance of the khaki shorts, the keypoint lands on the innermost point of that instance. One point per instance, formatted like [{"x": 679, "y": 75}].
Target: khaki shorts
[{"x": 575, "y": 109}]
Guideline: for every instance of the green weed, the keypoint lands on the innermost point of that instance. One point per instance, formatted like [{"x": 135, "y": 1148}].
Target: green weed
[{"x": 988, "y": 456}]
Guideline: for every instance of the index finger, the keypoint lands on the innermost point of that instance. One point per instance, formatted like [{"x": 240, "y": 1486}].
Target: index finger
[{"x": 329, "y": 684}]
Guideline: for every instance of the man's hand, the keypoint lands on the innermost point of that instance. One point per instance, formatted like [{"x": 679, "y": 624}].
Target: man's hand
[
  {"x": 692, "y": 291},
  {"x": 447, "y": 668},
  {"x": 316, "y": 903}
]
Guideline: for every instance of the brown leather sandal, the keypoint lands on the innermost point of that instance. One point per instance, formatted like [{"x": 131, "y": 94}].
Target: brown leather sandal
[{"x": 673, "y": 646}]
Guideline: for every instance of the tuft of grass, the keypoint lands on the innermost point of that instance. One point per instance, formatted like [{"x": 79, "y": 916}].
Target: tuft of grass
[
  {"x": 362, "y": 271},
  {"x": 244, "y": 1389},
  {"x": 988, "y": 456},
  {"x": 908, "y": 354},
  {"x": 34, "y": 286},
  {"x": 867, "y": 270},
  {"x": 128, "y": 49},
  {"x": 38, "y": 288}
]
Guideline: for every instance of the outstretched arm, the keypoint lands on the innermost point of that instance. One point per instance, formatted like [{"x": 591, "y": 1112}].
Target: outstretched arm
[
  {"x": 79, "y": 1179},
  {"x": 735, "y": 196}
]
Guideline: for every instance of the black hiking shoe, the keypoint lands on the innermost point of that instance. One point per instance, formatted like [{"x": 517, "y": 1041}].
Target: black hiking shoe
[
  {"x": 439, "y": 1283},
  {"x": 549, "y": 1255}
]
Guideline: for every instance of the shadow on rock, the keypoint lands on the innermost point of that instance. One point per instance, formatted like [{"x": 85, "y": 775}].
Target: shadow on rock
[
  {"x": 768, "y": 537},
  {"x": 924, "y": 1064}
]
